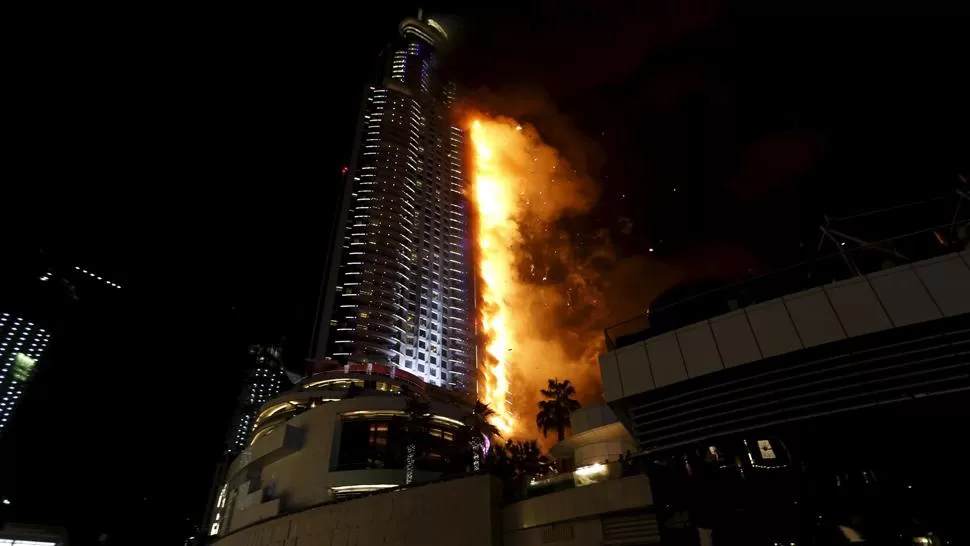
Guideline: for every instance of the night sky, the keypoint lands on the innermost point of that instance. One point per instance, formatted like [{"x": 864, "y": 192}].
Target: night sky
[{"x": 196, "y": 156}]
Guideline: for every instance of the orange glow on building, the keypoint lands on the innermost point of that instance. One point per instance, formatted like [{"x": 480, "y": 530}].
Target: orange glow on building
[
  {"x": 539, "y": 304},
  {"x": 493, "y": 195}
]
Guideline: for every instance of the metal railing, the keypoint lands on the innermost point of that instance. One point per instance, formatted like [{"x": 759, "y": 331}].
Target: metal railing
[{"x": 847, "y": 262}]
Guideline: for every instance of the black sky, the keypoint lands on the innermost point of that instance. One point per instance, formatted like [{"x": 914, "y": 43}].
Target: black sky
[{"x": 196, "y": 152}]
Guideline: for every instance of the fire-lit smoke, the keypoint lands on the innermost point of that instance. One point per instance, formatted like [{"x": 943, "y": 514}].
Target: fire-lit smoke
[{"x": 541, "y": 307}]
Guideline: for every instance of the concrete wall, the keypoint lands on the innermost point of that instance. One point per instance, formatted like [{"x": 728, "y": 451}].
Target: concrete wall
[
  {"x": 524, "y": 521},
  {"x": 597, "y": 437},
  {"x": 590, "y": 417},
  {"x": 602, "y": 452},
  {"x": 918, "y": 292},
  {"x": 459, "y": 512}
]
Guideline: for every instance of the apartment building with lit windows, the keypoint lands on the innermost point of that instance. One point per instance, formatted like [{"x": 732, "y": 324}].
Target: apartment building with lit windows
[
  {"x": 265, "y": 378},
  {"x": 398, "y": 288},
  {"x": 22, "y": 343}
]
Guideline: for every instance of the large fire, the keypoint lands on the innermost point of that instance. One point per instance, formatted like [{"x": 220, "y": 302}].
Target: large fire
[
  {"x": 495, "y": 199},
  {"x": 537, "y": 295}
]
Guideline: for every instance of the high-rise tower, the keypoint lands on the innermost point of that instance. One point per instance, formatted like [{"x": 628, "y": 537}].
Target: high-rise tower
[
  {"x": 398, "y": 288},
  {"x": 21, "y": 344},
  {"x": 264, "y": 380}
]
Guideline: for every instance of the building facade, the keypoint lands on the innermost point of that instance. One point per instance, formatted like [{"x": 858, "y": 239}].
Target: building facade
[
  {"x": 343, "y": 431},
  {"x": 818, "y": 415},
  {"x": 264, "y": 380},
  {"x": 329, "y": 463},
  {"x": 398, "y": 288},
  {"x": 21, "y": 345}
]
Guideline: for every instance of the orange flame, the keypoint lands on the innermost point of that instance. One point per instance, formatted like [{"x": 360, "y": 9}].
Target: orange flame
[
  {"x": 493, "y": 196},
  {"x": 540, "y": 303}
]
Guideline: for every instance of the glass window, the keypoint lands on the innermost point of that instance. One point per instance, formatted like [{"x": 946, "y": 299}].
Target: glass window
[{"x": 378, "y": 434}]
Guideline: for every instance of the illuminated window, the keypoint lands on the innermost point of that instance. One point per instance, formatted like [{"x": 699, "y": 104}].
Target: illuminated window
[
  {"x": 767, "y": 452},
  {"x": 378, "y": 434}
]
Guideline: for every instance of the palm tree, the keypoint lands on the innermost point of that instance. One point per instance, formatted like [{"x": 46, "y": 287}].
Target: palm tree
[
  {"x": 499, "y": 461},
  {"x": 417, "y": 412},
  {"x": 554, "y": 412},
  {"x": 527, "y": 458},
  {"x": 479, "y": 428}
]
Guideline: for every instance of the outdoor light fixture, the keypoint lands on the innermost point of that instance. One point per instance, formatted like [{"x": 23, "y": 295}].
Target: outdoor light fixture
[
  {"x": 364, "y": 488},
  {"x": 591, "y": 470}
]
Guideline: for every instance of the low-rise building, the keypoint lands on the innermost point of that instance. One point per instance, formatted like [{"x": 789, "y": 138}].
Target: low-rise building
[{"x": 342, "y": 432}]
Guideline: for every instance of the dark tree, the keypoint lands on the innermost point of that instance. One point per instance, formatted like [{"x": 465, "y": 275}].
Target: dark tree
[
  {"x": 479, "y": 427},
  {"x": 500, "y": 463},
  {"x": 527, "y": 459},
  {"x": 554, "y": 412},
  {"x": 417, "y": 413}
]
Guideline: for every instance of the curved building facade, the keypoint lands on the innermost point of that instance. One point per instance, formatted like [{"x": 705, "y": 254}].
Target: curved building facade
[
  {"x": 342, "y": 432},
  {"x": 398, "y": 290}
]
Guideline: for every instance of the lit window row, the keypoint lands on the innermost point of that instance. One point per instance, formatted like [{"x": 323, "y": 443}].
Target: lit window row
[{"x": 96, "y": 276}]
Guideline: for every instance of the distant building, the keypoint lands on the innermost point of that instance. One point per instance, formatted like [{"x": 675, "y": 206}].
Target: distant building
[
  {"x": 398, "y": 288},
  {"x": 264, "y": 380},
  {"x": 22, "y": 343}
]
